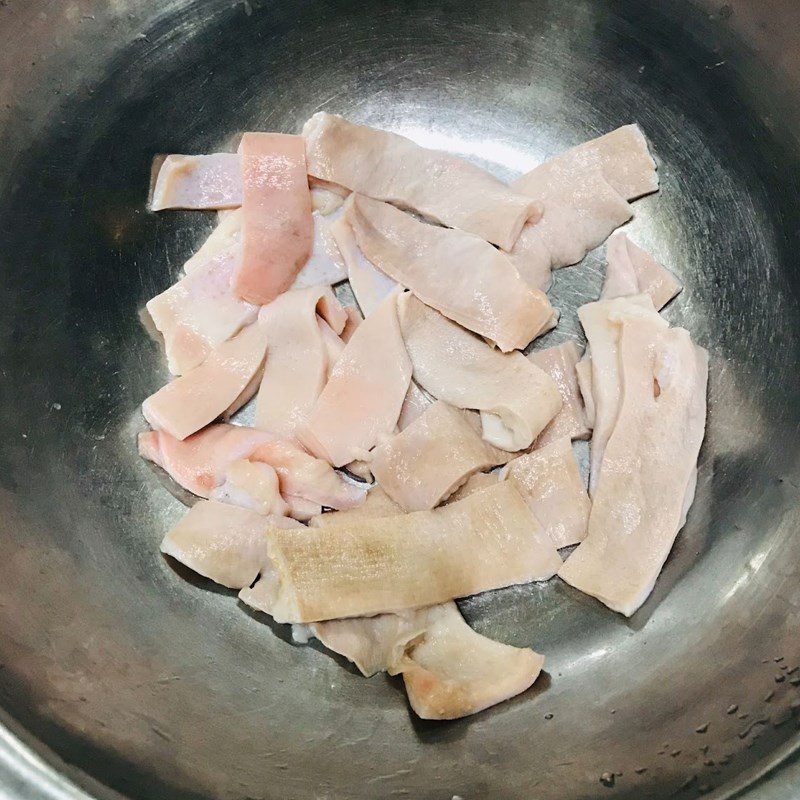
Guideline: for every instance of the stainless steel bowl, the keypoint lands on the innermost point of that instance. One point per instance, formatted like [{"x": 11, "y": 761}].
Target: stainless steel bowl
[{"x": 123, "y": 677}]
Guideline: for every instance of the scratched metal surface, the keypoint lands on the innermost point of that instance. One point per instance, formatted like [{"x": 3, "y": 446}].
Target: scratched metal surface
[{"x": 119, "y": 675}]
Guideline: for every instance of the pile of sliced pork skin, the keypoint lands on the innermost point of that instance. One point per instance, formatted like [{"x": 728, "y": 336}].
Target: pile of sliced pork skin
[{"x": 405, "y": 452}]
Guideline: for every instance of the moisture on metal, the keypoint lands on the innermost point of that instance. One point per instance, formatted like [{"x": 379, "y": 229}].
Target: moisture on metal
[{"x": 607, "y": 779}]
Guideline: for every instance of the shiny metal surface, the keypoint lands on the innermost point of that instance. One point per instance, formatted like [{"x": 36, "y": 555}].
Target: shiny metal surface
[{"x": 125, "y": 678}]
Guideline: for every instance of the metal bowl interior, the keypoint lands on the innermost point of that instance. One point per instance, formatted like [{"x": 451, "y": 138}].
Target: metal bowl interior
[{"x": 137, "y": 678}]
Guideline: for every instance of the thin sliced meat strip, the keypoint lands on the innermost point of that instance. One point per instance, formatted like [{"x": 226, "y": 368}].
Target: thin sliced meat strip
[
  {"x": 648, "y": 469},
  {"x": 210, "y": 390},
  {"x": 370, "y": 286},
  {"x": 622, "y": 157},
  {"x": 225, "y": 543},
  {"x": 516, "y": 399},
  {"x": 581, "y": 210},
  {"x": 200, "y": 464},
  {"x": 365, "y": 567},
  {"x": 198, "y": 182},
  {"x": 296, "y": 366},
  {"x": 442, "y": 187},
  {"x": 325, "y": 265},
  {"x": 452, "y": 671},
  {"x": 365, "y": 392},
  {"x": 559, "y": 363},
  {"x": 431, "y": 458},
  {"x": 215, "y": 182},
  {"x": 584, "y": 192},
  {"x": 277, "y": 227},
  {"x": 600, "y": 322},
  {"x": 488, "y": 297},
  {"x": 549, "y": 480},
  {"x": 631, "y": 270},
  {"x": 200, "y": 312}
]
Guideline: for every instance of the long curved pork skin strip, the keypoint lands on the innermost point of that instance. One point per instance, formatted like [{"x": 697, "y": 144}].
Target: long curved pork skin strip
[
  {"x": 601, "y": 322},
  {"x": 442, "y": 187},
  {"x": 649, "y": 467},
  {"x": 456, "y": 273},
  {"x": 516, "y": 399},
  {"x": 370, "y": 286},
  {"x": 584, "y": 191}
]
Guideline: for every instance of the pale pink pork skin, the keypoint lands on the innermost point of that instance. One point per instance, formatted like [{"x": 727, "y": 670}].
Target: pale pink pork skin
[
  {"x": 549, "y": 480},
  {"x": 219, "y": 386},
  {"x": 432, "y": 457},
  {"x": 371, "y": 566},
  {"x": 370, "y": 286},
  {"x": 440, "y": 186},
  {"x": 631, "y": 270},
  {"x": 297, "y": 361},
  {"x": 649, "y": 468},
  {"x": 585, "y": 193},
  {"x": 601, "y": 322},
  {"x": 200, "y": 465},
  {"x": 365, "y": 392},
  {"x": 515, "y": 398},
  {"x": 488, "y": 297},
  {"x": 210, "y": 181},
  {"x": 277, "y": 227},
  {"x": 200, "y": 312},
  {"x": 559, "y": 363}
]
